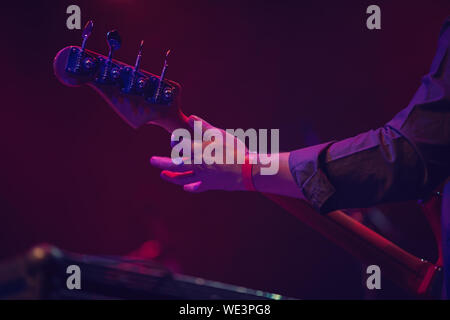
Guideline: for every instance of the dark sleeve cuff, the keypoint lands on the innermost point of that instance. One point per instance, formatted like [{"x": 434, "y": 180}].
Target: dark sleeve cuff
[{"x": 313, "y": 182}]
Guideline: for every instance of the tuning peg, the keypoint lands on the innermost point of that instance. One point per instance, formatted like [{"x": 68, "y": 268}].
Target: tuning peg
[
  {"x": 161, "y": 78},
  {"x": 131, "y": 76},
  {"x": 108, "y": 72},
  {"x": 86, "y": 33},
  {"x": 114, "y": 42},
  {"x": 139, "y": 56}
]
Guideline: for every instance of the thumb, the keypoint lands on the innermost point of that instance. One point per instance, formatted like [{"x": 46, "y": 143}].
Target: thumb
[{"x": 194, "y": 187}]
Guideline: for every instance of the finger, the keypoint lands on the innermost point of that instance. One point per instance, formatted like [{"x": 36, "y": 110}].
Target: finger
[
  {"x": 179, "y": 178},
  {"x": 174, "y": 141},
  {"x": 168, "y": 164},
  {"x": 194, "y": 187},
  {"x": 205, "y": 125}
]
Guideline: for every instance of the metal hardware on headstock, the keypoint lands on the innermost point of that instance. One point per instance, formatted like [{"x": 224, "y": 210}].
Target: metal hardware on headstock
[
  {"x": 86, "y": 33},
  {"x": 134, "y": 82},
  {"x": 104, "y": 74},
  {"x": 139, "y": 57},
  {"x": 167, "y": 92},
  {"x": 110, "y": 72},
  {"x": 79, "y": 62}
]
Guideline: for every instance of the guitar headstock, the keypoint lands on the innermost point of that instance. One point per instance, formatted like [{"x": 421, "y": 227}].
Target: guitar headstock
[{"x": 138, "y": 96}]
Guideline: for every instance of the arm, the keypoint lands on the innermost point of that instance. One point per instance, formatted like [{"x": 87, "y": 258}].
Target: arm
[
  {"x": 282, "y": 183},
  {"x": 405, "y": 159}
]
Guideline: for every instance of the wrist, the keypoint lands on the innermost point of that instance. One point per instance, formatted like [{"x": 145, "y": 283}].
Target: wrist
[
  {"x": 247, "y": 167},
  {"x": 278, "y": 181}
]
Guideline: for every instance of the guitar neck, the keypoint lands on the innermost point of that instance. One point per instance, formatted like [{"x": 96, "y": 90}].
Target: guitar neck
[
  {"x": 172, "y": 122},
  {"x": 415, "y": 275}
]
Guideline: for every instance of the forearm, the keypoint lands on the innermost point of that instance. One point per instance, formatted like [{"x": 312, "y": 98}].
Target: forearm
[
  {"x": 405, "y": 159},
  {"x": 281, "y": 183}
]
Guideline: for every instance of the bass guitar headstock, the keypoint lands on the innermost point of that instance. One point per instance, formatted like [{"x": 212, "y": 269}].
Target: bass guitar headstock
[{"x": 138, "y": 96}]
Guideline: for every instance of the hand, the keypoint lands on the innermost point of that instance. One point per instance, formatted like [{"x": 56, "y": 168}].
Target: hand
[{"x": 202, "y": 177}]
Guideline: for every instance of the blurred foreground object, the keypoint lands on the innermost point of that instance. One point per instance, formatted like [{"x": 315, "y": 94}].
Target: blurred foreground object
[{"x": 42, "y": 274}]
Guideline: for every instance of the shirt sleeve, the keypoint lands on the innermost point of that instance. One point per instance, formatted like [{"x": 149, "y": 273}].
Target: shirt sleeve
[{"x": 405, "y": 159}]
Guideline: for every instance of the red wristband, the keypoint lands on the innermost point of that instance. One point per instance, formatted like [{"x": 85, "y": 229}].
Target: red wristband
[{"x": 247, "y": 178}]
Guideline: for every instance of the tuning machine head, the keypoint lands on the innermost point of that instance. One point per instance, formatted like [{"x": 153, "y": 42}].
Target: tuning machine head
[
  {"x": 133, "y": 81},
  {"x": 86, "y": 33},
  {"x": 160, "y": 88},
  {"x": 86, "y": 62},
  {"x": 79, "y": 62},
  {"x": 114, "y": 42},
  {"x": 110, "y": 72},
  {"x": 139, "y": 56}
]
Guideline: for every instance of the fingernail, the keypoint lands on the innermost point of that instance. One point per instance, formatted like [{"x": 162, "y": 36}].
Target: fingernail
[
  {"x": 192, "y": 187},
  {"x": 178, "y": 161}
]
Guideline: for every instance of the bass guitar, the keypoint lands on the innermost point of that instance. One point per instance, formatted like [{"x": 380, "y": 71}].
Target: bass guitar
[{"x": 141, "y": 98}]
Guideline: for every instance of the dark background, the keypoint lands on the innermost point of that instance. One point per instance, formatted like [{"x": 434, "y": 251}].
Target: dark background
[{"x": 72, "y": 173}]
